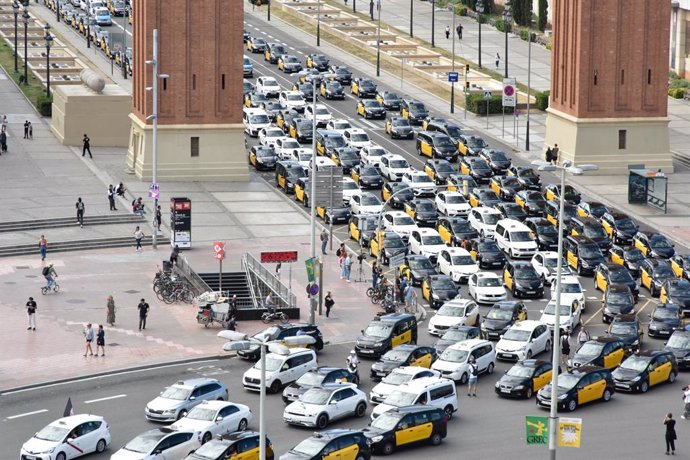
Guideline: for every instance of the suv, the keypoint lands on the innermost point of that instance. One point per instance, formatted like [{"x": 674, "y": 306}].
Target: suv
[
  {"x": 240, "y": 444},
  {"x": 406, "y": 425},
  {"x": 619, "y": 227},
  {"x": 397, "y": 377},
  {"x": 320, "y": 405},
  {"x": 646, "y": 369},
  {"x": 523, "y": 280},
  {"x": 427, "y": 391},
  {"x": 515, "y": 238},
  {"x": 281, "y": 369},
  {"x": 402, "y": 355},
  {"x": 582, "y": 254},
  {"x": 436, "y": 145},
  {"x": 454, "y": 363},
  {"x": 484, "y": 221},
  {"x": 386, "y": 332},
  {"x": 414, "y": 111},
  {"x": 606, "y": 352},
  {"x": 176, "y": 400},
  {"x": 278, "y": 332},
  {"x": 322, "y": 375},
  {"x": 501, "y": 317},
  {"x": 331, "y": 444}
]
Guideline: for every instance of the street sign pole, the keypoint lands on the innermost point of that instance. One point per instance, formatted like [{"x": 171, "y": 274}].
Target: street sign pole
[
  {"x": 330, "y": 223},
  {"x": 312, "y": 213},
  {"x": 220, "y": 276},
  {"x": 503, "y": 123},
  {"x": 452, "y": 83}
]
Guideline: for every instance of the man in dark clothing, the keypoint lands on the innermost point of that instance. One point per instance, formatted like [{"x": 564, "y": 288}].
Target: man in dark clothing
[
  {"x": 371, "y": 9},
  {"x": 158, "y": 219},
  {"x": 31, "y": 311},
  {"x": 458, "y": 29},
  {"x": 86, "y": 146},
  {"x": 143, "y": 313},
  {"x": 111, "y": 198},
  {"x": 80, "y": 211},
  {"x": 26, "y": 129},
  {"x": 174, "y": 254}
]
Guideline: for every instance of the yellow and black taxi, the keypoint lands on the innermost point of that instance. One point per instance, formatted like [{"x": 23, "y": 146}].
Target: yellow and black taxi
[
  {"x": 287, "y": 174},
  {"x": 500, "y": 317},
  {"x": 327, "y": 140},
  {"x": 318, "y": 62},
  {"x": 415, "y": 111},
  {"x": 456, "y": 334},
  {"x": 310, "y": 76},
  {"x": 272, "y": 107},
  {"x": 653, "y": 274},
  {"x": 591, "y": 209},
  {"x": 366, "y": 176},
  {"x": 522, "y": 280},
  {"x": 398, "y": 193},
  {"x": 247, "y": 87},
  {"x": 345, "y": 157},
  {"x": 679, "y": 345},
  {"x": 423, "y": 212},
  {"x": 579, "y": 386},
  {"x": 676, "y": 292},
  {"x": 289, "y": 63},
  {"x": 545, "y": 233},
  {"x": 340, "y": 73},
  {"x": 629, "y": 329},
  {"x": 654, "y": 245},
  {"x": 306, "y": 89},
  {"x": 399, "y": 128},
  {"x": 527, "y": 176},
  {"x": 334, "y": 444},
  {"x": 331, "y": 89},
  {"x": 553, "y": 192},
  {"x": 531, "y": 201},
  {"x": 477, "y": 168},
  {"x": 361, "y": 228},
  {"x": 436, "y": 145},
  {"x": 454, "y": 230},
  {"x": 471, "y": 145},
  {"x": 240, "y": 445},
  {"x": 273, "y": 52},
  {"x": 256, "y": 45},
  {"x": 483, "y": 197},
  {"x": 284, "y": 117},
  {"x": 254, "y": 99},
  {"x": 302, "y": 190},
  {"x": 431, "y": 119},
  {"x": 386, "y": 332},
  {"x": 370, "y": 108},
  {"x": 582, "y": 254},
  {"x": 404, "y": 426},
  {"x": 511, "y": 211},
  {"x": 610, "y": 273},
  {"x": 486, "y": 253},
  {"x": 415, "y": 268},
  {"x": 664, "y": 320},
  {"x": 263, "y": 157},
  {"x": 507, "y": 187},
  {"x": 402, "y": 355},
  {"x": 646, "y": 369},
  {"x": 497, "y": 160},
  {"x": 524, "y": 379},
  {"x": 389, "y": 99},
  {"x": 592, "y": 229},
  {"x": 606, "y": 352},
  {"x": 619, "y": 227},
  {"x": 392, "y": 244},
  {"x": 363, "y": 87},
  {"x": 630, "y": 258},
  {"x": 301, "y": 129},
  {"x": 335, "y": 214},
  {"x": 446, "y": 127},
  {"x": 681, "y": 266},
  {"x": 438, "y": 170},
  {"x": 617, "y": 300},
  {"x": 322, "y": 375},
  {"x": 438, "y": 289},
  {"x": 461, "y": 183}
]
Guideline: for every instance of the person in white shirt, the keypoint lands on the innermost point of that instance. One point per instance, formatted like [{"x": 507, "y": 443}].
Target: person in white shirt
[
  {"x": 686, "y": 399},
  {"x": 582, "y": 336}
]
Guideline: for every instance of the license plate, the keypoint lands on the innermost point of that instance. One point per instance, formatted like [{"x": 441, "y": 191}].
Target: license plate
[
  {"x": 30, "y": 457},
  {"x": 503, "y": 390},
  {"x": 506, "y": 355},
  {"x": 381, "y": 374},
  {"x": 529, "y": 292},
  {"x": 366, "y": 351}
]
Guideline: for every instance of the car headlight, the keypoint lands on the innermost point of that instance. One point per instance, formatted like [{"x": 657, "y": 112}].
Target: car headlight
[
  {"x": 376, "y": 438},
  {"x": 653, "y": 327},
  {"x": 169, "y": 411},
  {"x": 378, "y": 344},
  {"x": 654, "y": 254},
  {"x": 636, "y": 343},
  {"x": 498, "y": 384},
  {"x": 562, "y": 397},
  {"x": 519, "y": 388},
  {"x": 435, "y": 297},
  {"x": 584, "y": 263},
  {"x": 637, "y": 379}
]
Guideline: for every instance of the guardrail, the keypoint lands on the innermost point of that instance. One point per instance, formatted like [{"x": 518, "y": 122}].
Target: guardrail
[
  {"x": 262, "y": 282},
  {"x": 184, "y": 269}
]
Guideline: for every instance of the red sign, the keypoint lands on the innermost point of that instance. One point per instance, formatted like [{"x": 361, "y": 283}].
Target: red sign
[
  {"x": 219, "y": 250},
  {"x": 282, "y": 256}
]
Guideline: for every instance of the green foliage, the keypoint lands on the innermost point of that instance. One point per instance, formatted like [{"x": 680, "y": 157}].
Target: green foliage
[
  {"x": 522, "y": 11},
  {"x": 677, "y": 93},
  {"x": 549, "y": 45},
  {"x": 475, "y": 103},
  {"x": 461, "y": 10},
  {"x": 543, "y": 100},
  {"x": 524, "y": 34},
  {"x": 44, "y": 104},
  {"x": 501, "y": 25},
  {"x": 543, "y": 14}
]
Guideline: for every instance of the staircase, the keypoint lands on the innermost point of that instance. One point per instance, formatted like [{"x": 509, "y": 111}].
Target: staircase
[
  {"x": 234, "y": 283},
  {"x": 40, "y": 224},
  {"x": 78, "y": 245}
]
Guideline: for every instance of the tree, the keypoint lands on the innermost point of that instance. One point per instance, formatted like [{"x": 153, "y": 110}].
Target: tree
[
  {"x": 543, "y": 14},
  {"x": 522, "y": 11}
]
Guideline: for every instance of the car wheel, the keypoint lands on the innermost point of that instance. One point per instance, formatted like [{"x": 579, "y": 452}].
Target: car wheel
[
  {"x": 448, "y": 410},
  {"x": 579, "y": 269},
  {"x": 207, "y": 437},
  {"x": 547, "y": 348},
  {"x": 529, "y": 354},
  {"x": 607, "y": 395},
  {"x": 388, "y": 448},
  {"x": 181, "y": 414},
  {"x": 322, "y": 421},
  {"x": 419, "y": 151},
  {"x": 490, "y": 369},
  {"x": 529, "y": 393},
  {"x": 644, "y": 387},
  {"x": 671, "y": 377},
  {"x": 435, "y": 439},
  {"x": 463, "y": 378},
  {"x": 61, "y": 456},
  {"x": 360, "y": 410},
  {"x": 572, "y": 405},
  {"x": 276, "y": 386},
  {"x": 100, "y": 446}
]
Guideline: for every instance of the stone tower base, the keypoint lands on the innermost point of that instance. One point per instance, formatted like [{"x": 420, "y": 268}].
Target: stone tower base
[
  {"x": 596, "y": 140},
  {"x": 221, "y": 155}
]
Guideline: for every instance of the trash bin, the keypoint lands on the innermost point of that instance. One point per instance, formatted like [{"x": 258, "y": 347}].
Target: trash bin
[{"x": 167, "y": 266}]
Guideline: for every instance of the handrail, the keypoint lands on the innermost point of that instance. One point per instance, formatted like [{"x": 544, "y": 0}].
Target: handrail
[
  {"x": 250, "y": 281},
  {"x": 183, "y": 267},
  {"x": 269, "y": 282}
]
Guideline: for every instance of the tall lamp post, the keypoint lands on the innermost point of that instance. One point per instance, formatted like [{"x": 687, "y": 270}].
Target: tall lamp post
[
  {"x": 15, "y": 10},
  {"x": 433, "y": 22},
  {"x": 88, "y": 31},
  {"x": 318, "y": 23},
  {"x": 123, "y": 61},
  {"x": 506, "y": 20},
  {"x": 529, "y": 86},
  {"x": 452, "y": 83},
  {"x": 411, "y": 16},
  {"x": 480, "y": 9},
  {"x": 268, "y": 17},
  {"x": 378, "y": 41},
  {"x": 57, "y": 10},
  {"x": 312, "y": 203},
  {"x": 238, "y": 341},
  {"x": 49, "y": 42},
  {"x": 567, "y": 166},
  {"x": 26, "y": 18}
]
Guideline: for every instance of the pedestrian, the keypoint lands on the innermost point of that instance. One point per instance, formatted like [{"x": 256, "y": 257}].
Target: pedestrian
[
  {"x": 410, "y": 298},
  {"x": 88, "y": 334},
  {"x": 328, "y": 301},
  {"x": 3, "y": 141},
  {"x": 111, "y": 197},
  {"x": 31, "y": 311},
  {"x": 138, "y": 236},
  {"x": 174, "y": 255},
  {"x": 232, "y": 323},
  {"x": 110, "y": 311},
  {"x": 347, "y": 267},
  {"x": 158, "y": 219},
  {"x": 31, "y": 131},
  {"x": 100, "y": 340},
  {"x": 138, "y": 207},
  {"x": 26, "y": 129},
  {"x": 80, "y": 211},
  {"x": 686, "y": 400},
  {"x": 498, "y": 60},
  {"x": 458, "y": 29},
  {"x": 345, "y": 2},
  {"x": 403, "y": 286},
  {"x": 371, "y": 9},
  {"x": 233, "y": 306},
  {"x": 43, "y": 247},
  {"x": 549, "y": 155},
  {"x": 4, "y": 122},
  {"x": 397, "y": 297},
  {"x": 374, "y": 274},
  {"x": 565, "y": 348},
  {"x": 554, "y": 154},
  {"x": 341, "y": 253},
  {"x": 324, "y": 241},
  {"x": 258, "y": 4},
  {"x": 279, "y": 265},
  {"x": 121, "y": 189},
  {"x": 582, "y": 336},
  {"x": 86, "y": 146},
  {"x": 474, "y": 376},
  {"x": 670, "y": 434},
  {"x": 447, "y": 32},
  {"x": 465, "y": 243},
  {"x": 143, "y": 308}
]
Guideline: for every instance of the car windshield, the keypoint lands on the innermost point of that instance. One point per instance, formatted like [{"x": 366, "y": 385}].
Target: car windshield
[
  {"x": 347, "y": 185},
  {"x": 432, "y": 240},
  {"x": 491, "y": 218},
  {"x": 476, "y": 143},
  {"x": 462, "y": 226},
  {"x": 403, "y": 220},
  {"x": 398, "y": 164},
  {"x": 397, "y": 378},
  {"x": 291, "y": 60},
  {"x": 370, "y": 200},
  {"x": 372, "y": 103},
  {"x": 417, "y": 106},
  {"x": 527, "y": 172},
  {"x": 342, "y": 124},
  {"x": 290, "y": 144},
  {"x": 620, "y": 298},
  {"x": 623, "y": 329},
  {"x": 550, "y": 309},
  {"x": 680, "y": 341},
  {"x": 454, "y": 356},
  {"x": 571, "y": 288},
  {"x": 52, "y": 433},
  {"x": 425, "y": 206},
  {"x": 317, "y": 396},
  {"x": 590, "y": 251},
  {"x": 449, "y": 310},
  {"x": 659, "y": 243},
  {"x": 626, "y": 224},
  {"x": 400, "y": 122},
  {"x": 462, "y": 260},
  {"x": 386, "y": 421},
  {"x": 620, "y": 276},
  {"x": 396, "y": 355},
  {"x": 368, "y": 171},
  {"x": 636, "y": 363},
  {"x": 394, "y": 242},
  {"x": 272, "y": 364},
  {"x": 142, "y": 444},
  {"x": 311, "y": 379},
  {"x": 488, "y": 281},
  {"x": 663, "y": 271},
  {"x": 295, "y": 97},
  {"x": 444, "y": 142},
  {"x": 176, "y": 393},
  {"x": 488, "y": 246},
  {"x": 310, "y": 446},
  {"x": 455, "y": 199},
  {"x": 359, "y": 137},
  {"x": 211, "y": 450},
  {"x": 349, "y": 155},
  {"x": 591, "y": 348},
  {"x": 453, "y": 131},
  {"x": 661, "y": 314},
  {"x": 400, "y": 398},
  {"x": 304, "y": 156},
  {"x": 379, "y": 330},
  {"x": 526, "y": 273},
  {"x": 547, "y": 230},
  {"x": 456, "y": 336},
  {"x": 567, "y": 381},
  {"x": 421, "y": 264},
  {"x": 336, "y": 142},
  {"x": 419, "y": 178},
  {"x": 680, "y": 288},
  {"x": 551, "y": 262},
  {"x": 594, "y": 231},
  {"x": 499, "y": 314},
  {"x": 443, "y": 284},
  {"x": 370, "y": 225},
  {"x": 517, "y": 335},
  {"x": 480, "y": 164},
  {"x": 520, "y": 371},
  {"x": 498, "y": 156},
  {"x": 201, "y": 413},
  {"x": 521, "y": 237},
  {"x": 322, "y": 111},
  {"x": 259, "y": 119}
]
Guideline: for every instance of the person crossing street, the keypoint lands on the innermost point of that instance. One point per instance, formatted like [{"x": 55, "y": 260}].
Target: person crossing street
[{"x": 31, "y": 311}]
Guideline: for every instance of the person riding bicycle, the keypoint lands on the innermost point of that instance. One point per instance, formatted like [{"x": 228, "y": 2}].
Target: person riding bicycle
[
  {"x": 269, "y": 305},
  {"x": 49, "y": 274}
]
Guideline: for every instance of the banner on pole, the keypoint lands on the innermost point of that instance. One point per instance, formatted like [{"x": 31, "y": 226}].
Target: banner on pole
[
  {"x": 536, "y": 430},
  {"x": 569, "y": 432},
  {"x": 313, "y": 269}
]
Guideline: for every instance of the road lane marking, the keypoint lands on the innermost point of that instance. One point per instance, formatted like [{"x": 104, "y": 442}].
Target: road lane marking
[
  {"x": 593, "y": 316},
  {"x": 368, "y": 123},
  {"x": 26, "y": 414},
  {"x": 643, "y": 307},
  {"x": 592, "y": 298},
  {"x": 107, "y": 398},
  {"x": 270, "y": 36}
]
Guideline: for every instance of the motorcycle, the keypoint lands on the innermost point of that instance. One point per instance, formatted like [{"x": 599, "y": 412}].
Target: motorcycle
[
  {"x": 210, "y": 313},
  {"x": 352, "y": 362},
  {"x": 269, "y": 317}
]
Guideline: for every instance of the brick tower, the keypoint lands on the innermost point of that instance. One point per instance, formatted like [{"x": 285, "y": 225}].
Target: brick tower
[
  {"x": 200, "y": 132},
  {"x": 609, "y": 70}
]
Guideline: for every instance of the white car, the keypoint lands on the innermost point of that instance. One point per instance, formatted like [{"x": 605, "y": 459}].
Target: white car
[
  {"x": 94, "y": 6},
  {"x": 456, "y": 263},
  {"x": 452, "y": 204},
  {"x": 292, "y": 100},
  {"x": 484, "y": 220},
  {"x": 284, "y": 146},
  {"x": 357, "y": 138},
  {"x": 544, "y": 262},
  {"x": 365, "y": 203},
  {"x": 515, "y": 238},
  {"x": 323, "y": 115},
  {"x": 68, "y": 437},
  {"x": 303, "y": 156},
  {"x": 318, "y": 406},
  {"x": 393, "y": 167},
  {"x": 454, "y": 362},
  {"x": 397, "y": 377},
  {"x": 158, "y": 444},
  {"x": 426, "y": 242},
  {"x": 350, "y": 188},
  {"x": 569, "y": 315},
  {"x": 268, "y": 86},
  {"x": 420, "y": 183},
  {"x": 400, "y": 223},
  {"x": 213, "y": 418},
  {"x": 571, "y": 291},
  {"x": 523, "y": 340},
  {"x": 486, "y": 288},
  {"x": 268, "y": 136},
  {"x": 254, "y": 120},
  {"x": 456, "y": 312},
  {"x": 372, "y": 154},
  {"x": 339, "y": 125}
]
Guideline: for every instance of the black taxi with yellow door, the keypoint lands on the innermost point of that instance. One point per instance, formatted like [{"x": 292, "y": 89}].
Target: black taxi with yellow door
[
  {"x": 579, "y": 386},
  {"x": 405, "y": 426},
  {"x": 386, "y": 332},
  {"x": 240, "y": 445},
  {"x": 334, "y": 444},
  {"x": 582, "y": 254},
  {"x": 361, "y": 228},
  {"x": 403, "y": 355},
  {"x": 524, "y": 379},
  {"x": 287, "y": 174},
  {"x": 606, "y": 352},
  {"x": 646, "y": 369},
  {"x": 386, "y": 246}
]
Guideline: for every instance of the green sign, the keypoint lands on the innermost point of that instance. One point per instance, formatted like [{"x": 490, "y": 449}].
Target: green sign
[
  {"x": 313, "y": 269},
  {"x": 536, "y": 430}
]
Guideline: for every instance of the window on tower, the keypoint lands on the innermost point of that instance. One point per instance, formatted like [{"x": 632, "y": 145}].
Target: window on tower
[{"x": 622, "y": 139}]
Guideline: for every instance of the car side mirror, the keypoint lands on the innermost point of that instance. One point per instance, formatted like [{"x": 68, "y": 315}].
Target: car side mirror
[
  {"x": 362, "y": 331},
  {"x": 541, "y": 311},
  {"x": 157, "y": 451},
  {"x": 219, "y": 418},
  {"x": 70, "y": 439},
  {"x": 192, "y": 398},
  {"x": 285, "y": 367},
  {"x": 505, "y": 371},
  {"x": 649, "y": 315},
  {"x": 333, "y": 402}
]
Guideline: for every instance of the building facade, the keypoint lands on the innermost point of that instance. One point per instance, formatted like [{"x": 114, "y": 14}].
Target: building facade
[{"x": 679, "y": 60}]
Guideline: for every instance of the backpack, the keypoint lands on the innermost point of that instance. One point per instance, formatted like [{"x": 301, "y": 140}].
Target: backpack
[{"x": 45, "y": 271}]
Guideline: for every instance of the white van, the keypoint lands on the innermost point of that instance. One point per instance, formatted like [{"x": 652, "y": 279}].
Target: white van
[
  {"x": 430, "y": 391},
  {"x": 515, "y": 238},
  {"x": 280, "y": 369},
  {"x": 255, "y": 120},
  {"x": 454, "y": 362}
]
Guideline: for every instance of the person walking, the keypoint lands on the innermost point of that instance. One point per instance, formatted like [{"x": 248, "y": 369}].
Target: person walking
[
  {"x": 86, "y": 146},
  {"x": 100, "y": 340},
  {"x": 43, "y": 247},
  {"x": 111, "y": 197},
  {"x": 324, "y": 241},
  {"x": 138, "y": 236},
  {"x": 554, "y": 154},
  {"x": 329, "y": 302},
  {"x": 498, "y": 60},
  {"x": 458, "y": 29},
  {"x": 686, "y": 400},
  {"x": 347, "y": 267},
  {"x": 31, "y": 311},
  {"x": 341, "y": 252},
  {"x": 31, "y": 131},
  {"x": 371, "y": 9},
  {"x": 174, "y": 255},
  {"x": 565, "y": 348},
  {"x": 80, "y": 211},
  {"x": 3, "y": 141},
  {"x": 549, "y": 155},
  {"x": 110, "y": 311},
  {"x": 143, "y": 308},
  {"x": 670, "y": 434},
  {"x": 410, "y": 298},
  {"x": 582, "y": 336},
  {"x": 26, "y": 129},
  {"x": 233, "y": 306},
  {"x": 158, "y": 219},
  {"x": 474, "y": 376},
  {"x": 447, "y": 32},
  {"x": 89, "y": 335},
  {"x": 279, "y": 265},
  {"x": 374, "y": 274}
]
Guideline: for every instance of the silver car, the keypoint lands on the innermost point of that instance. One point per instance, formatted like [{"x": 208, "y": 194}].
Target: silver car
[{"x": 176, "y": 400}]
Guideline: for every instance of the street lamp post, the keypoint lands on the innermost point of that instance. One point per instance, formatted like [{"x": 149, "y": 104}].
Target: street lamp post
[
  {"x": 452, "y": 83},
  {"x": 49, "y": 42},
  {"x": 88, "y": 31},
  {"x": 318, "y": 23},
  {"x": 268, "y": 10},
  {"x": 506, "y": 20},
  {"x": 312, "y": 202},
  {"x": 480, "y": 9},
  {"x": 378, "y": 41},
  {"x": 26, "y": 18},
  {"x": 529, "y": 87},
  {"x": 57, "y": 10},
  {"x": 15, "y": 10},
  {"x": 411, "y": 16},
  {"x": 123, "y": 61},
  {"x": 433, "y": 22},
  {"x": 553, "y": 414}
]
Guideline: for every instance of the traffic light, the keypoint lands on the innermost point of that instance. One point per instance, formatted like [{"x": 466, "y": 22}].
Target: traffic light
[
  {"x": 467, "y": 68},
  {"x": 467, "y": 85}
]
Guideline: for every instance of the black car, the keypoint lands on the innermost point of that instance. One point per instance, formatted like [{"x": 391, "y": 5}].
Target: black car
[
  {"x": 337, "y": 142},
  {"x": 316, "y": 377},
  {"x": 629, "y": 329},
  {"x": 389, "y": 99},
  {"x": 439, "y": 170},
  {"x": 677, "y": 292},
  {"x": 618, "y": 299},
  {"x": 448, "y": 128},
  {"x": 255, "y": 99},
  {"x": 665, "y": 319},
  {"x": 497, "y": 159},
  {"x": 681, "y": 266},
  {"x": 367, "y": 176},
  {"x": 524, "y": 379},
  {"x": 591, "y": 209},
  {"x": 335, "y": 215},
  {"x": 511, "y": 211},
  {"x": 582, "y": 254},
  {"x": 608, "y": 273},
  {"x": 406, "y": 426},
  {"x": 341, "y": 74},
  {"x": 402, "y": 355},
  {"x": 289, "y": 63},
  {"x": 523, "y": 280},
  {"x": 483, "y": 197},
  {"x": 486, "y": 253},
  {"x": 579, "y": 386},
  {"x": 239, "y": 444},
  {"x": 363, "y": 87},
  {"x": 471, "y": 145},
  {"x": 334, "y": 443},
  {"x": 553, "y": 192},
  {"x": 423, "y": 212},
  {"x": 546, "y": 234},
  {"x": 318, "y": 62},
  {"x": 619, "y": 227},
  {"x": 247, "y": 87},
  {"x": 399, "y": 128},
  {"x": 306, "y": 89},
  {"x": 630, "y": 258},
  {"x": 345, "y": 157},
  {"x": 592, "y": 229},
  {"x": 455, "y": 335},
  {"x": 607, "y": 352},
  {"x": 416, "y": 269},
  {"x": 477, "y": 168},
  {"x": 414, "y": 111},
  {"x": 506, "y": 187},
  {"x": 646, "y": 369},
  {"x": 654, "y": 273},
  {"x": 455, "y": 230},
  {"x": 278, "y": 332},
  {"x": 371, "y": 108},
  {"x": 303, "y": 129},
  {"x": 272, "y": 108},
  {"x": 393, "y": 245},
  {"x": 399, "y": 193},
  {"x": 331, "y": 89},
  {"x": 263, "y": 157},
  {"x": 436, "y": 145},
  {"x": 527, "y": 177},
  {"x": 284, "y": 119},
  {"x": 679, "y": 345},
  {"x": 273, "y": 53},
  {"x": 501, "y": 316},
  {"x": 438, "y": 289}
]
